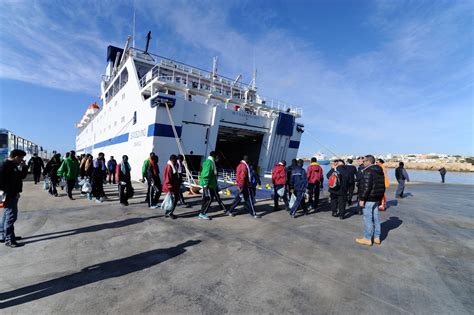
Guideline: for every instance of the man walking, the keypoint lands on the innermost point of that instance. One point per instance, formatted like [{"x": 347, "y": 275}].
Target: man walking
[
  {"x": 98, "y": 175},
  {"x": 401, "y": 175},
  {"x": 70, "y": 170},
  {"x": 124, "y": 179},
  {"x": 372, "y": 190},
  {"x": 315, "y": 182},
  {"x": 154, "y": 181},
  {"x": 338, "y": 193},
  {"x": 243, "y": 182},
  {"x": 171, "y": 184},
  {"x": 442, "y": 171},
  {"x": 12, "y": 173},
  {"x": 145, "y": 166},
  {"x": 299, "y": 182},
  {"x": 111, "y": 168},
  {"x": 182, "y": 175},
  {"x": 279, "y": 185},
  {"x": 351, "y": 174},
  {"x": 36, "y": 167},
  {"x": 208, "y": 181}
]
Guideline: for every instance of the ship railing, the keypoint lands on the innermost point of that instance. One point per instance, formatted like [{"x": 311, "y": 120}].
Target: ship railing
[{"x": 170, "y": 64}]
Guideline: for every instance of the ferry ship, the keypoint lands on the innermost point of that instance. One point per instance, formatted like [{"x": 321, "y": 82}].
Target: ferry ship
[{"x": 154, "y": 104}]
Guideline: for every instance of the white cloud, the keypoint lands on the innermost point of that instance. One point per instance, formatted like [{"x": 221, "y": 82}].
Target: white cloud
[{"x": 401, "y": 88}]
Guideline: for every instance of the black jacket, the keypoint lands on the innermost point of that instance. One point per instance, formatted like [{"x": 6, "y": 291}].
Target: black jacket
[
  {"x": 351, "y": 173},
  {"x": 11, "y": 178},
  {"x": 51, "y": 169},
  {"x": 372, "y": 184},
  {"x": 344, "y": 180},
  {"x": 36, "y": 164}
]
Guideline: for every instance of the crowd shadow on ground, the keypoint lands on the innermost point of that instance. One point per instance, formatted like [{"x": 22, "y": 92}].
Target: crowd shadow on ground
[
  {"x": 87, "y": 229},
  {"x": 91, "y": 274}
]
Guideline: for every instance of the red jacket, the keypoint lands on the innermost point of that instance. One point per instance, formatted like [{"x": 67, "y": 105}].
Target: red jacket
[
  {"x": 242, "y": 177},
  {"x": 170, "y": 180},
  {"x": 279, "y": 174},
  {"x": 315, "y": 173}
]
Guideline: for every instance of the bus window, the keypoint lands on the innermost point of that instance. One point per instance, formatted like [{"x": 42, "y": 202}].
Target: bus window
[{"x": 3, "y": 140}]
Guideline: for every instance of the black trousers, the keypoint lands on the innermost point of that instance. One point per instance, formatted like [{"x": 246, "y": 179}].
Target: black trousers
[
  {"x": 98, "y": 187},
  {"x": 70, "y": 186},
  {"x": 124, "y": 191},
  {"x": 442, "y": 177},
  {"x": 52, "y": 185},
  {"x": 111, "y": 177},
  {"x": 208, "y": 197},
  {"x": 37, "y": 176},
  {"x": 313, "y": 192},
  {"x": 350, "y": 192},
  {"x": 338, "y": 202},
  {"x": 276, "y": 197},
  {"x": 154, "y": 193}
]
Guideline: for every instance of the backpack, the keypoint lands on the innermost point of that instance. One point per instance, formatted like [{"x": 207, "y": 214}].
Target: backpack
[
  {"x": 315, "y": 176},
  {"x": 334, "y": 181}
]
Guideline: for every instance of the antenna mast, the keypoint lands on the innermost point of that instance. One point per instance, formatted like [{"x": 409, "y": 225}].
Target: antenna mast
[{"x": 133, "y": 31}]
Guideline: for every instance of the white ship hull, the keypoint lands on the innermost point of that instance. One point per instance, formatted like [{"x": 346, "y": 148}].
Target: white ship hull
[{"x": 129, "y": 123}]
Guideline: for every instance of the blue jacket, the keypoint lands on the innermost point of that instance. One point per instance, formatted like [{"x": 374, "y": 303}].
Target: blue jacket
[{"x": 299, "y": 179}]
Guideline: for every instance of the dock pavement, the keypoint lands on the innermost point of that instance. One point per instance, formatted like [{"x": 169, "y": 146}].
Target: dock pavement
[{"x": 81, "y": 257}]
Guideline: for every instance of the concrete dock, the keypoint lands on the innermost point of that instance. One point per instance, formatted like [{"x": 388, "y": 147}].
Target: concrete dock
[{"x": 86, "y": 258}]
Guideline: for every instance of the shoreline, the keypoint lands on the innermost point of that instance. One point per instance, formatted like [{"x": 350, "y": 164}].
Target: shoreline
[{"x": 450, "y": 167}]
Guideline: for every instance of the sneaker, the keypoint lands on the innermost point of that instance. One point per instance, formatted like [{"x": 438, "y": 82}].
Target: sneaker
[
  {"x": 173, "y": 217},
  {"x": 13, "y": 244},
  {"x": 56, "y": 195},
  {"x": 124, "y": 203},
  {"x": 203, "y": 216},
  {"x": 363, "y": 241},
  {"x": 70, "y": 198},
  {"x": 98, "y": 201},
  {"x": 293, "y": 215},
  {"x": 230, "y": 214},
  {"x": 257, "y": 216},
  {"x": 377, "y": 241},
  {"x": 153, "y": 207}
]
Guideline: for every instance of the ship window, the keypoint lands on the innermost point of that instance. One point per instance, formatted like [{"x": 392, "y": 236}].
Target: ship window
[
  {"x": 115, "y": 123},
  {"x": 123, "y": 96},
  {"x": 123, "y": 118},
  {"x": 190, "y": 97},
  {"x": 171, "y": 92}
]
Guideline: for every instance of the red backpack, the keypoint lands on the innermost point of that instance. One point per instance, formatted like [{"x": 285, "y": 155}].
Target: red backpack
[
  {"x": 315, "y": 175},
  {"x": 334, "y": 181}
]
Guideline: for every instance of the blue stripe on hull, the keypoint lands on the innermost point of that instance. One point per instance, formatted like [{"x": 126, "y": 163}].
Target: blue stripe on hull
[
  {"x": 154, "y": 130},
  {"x": 162, "y": 130}
]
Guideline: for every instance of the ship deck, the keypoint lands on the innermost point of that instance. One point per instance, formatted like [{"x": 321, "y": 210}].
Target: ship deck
[{"x": 86, "y": 258}]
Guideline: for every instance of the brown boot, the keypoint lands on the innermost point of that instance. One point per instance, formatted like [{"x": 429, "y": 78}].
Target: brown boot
[{"x": 363, "y": 241}]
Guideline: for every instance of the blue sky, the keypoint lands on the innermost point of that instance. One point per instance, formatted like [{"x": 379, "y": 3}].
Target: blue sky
[{"x": 372, "y": 76}]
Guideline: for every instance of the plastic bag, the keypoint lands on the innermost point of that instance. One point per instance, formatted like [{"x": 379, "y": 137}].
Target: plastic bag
[
  {"x": 167, "y": 204},
  {"x": 83, "y": 181},
  {"x": 63, "y": 182},
  {"x": 86, "y": 187},
  {"x": 46, "y": 183},
  {"x": 292, "y": 200},
  {"x": 281, "y": 192}
]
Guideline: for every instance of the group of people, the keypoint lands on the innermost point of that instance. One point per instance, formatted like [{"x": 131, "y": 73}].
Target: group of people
[{"x": 291, "y": 184}]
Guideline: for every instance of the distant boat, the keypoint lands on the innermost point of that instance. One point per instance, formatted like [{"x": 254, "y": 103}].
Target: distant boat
[{"x": 321, "y": 158}]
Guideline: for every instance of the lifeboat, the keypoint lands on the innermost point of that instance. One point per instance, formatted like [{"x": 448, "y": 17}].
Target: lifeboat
[{"x": 92, "y": 109}]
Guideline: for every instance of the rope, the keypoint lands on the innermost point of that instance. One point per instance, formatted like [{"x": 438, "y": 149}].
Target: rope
[{"x": 180, "y": 147}]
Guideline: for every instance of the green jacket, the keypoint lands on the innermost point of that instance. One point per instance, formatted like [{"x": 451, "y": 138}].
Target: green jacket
[
  {"x": 69, "y": 168},
  {"x": 146, "y": 163},
  {"x": 208, "y": 178}
]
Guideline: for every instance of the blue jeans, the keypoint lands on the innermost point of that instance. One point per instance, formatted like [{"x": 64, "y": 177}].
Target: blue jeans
[
  {"x": 10, "y": 214},
  {"x": 371, "y": 220}
]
